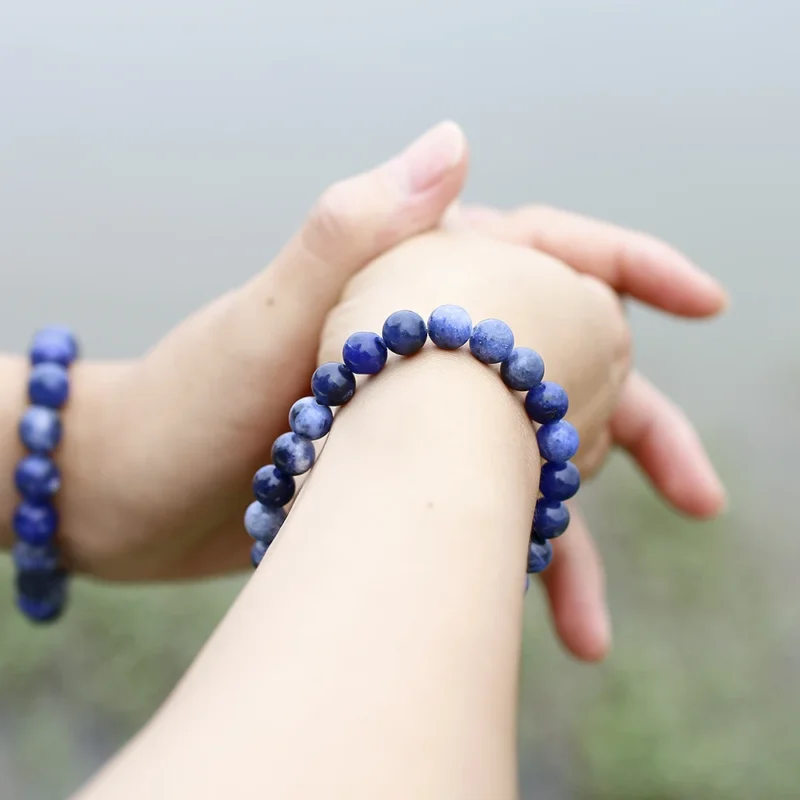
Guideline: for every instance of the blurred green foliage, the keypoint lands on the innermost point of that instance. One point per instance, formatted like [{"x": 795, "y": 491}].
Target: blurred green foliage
[{"x": 697, "y": 700}]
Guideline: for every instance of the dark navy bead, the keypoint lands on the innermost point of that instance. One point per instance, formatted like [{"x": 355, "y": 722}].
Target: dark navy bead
[
  {"x": 31, "y": 558},
  {"x": 37, "y": 477},
  {"x": 55, "y": 345},
  {"x": 48, "y": 385},
  {"x": 40, "y": 584},
  {"x": 273, "y": 487},
  {"x": 40, "y": 429},
  {"x": 527, "y": 583},
  {"x": 333, "y": 384},
  {"x": 491, "y": 341},
  {"x": 522, "y": 370},
  {"x": 310, "y": 419},
  {"x": 35, "y": 523},
  {"x": 559, "y": 481},
  {"x": 263, "y": 523},
  {"x": 404, "y": 333},
  {"x": 48, "y": 610},
  {"x": 558, "y": 441},
  {"x": 546, "y": 402},
  {"x": 540, "y": 554},
  {"x": 257, "y": 553},
  {"x": 364, "y": 353},
  {"x": 449, "y": 327},
  {"x": 550, "y": 519},
  {"x": 293, "y": 454}
]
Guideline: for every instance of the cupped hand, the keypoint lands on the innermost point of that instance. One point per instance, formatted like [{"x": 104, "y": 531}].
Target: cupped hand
[
  {"x": 646, "y": 423},
  {"x": 159, "y": 453}
]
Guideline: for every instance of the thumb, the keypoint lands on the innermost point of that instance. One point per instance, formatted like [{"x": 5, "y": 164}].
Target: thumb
[{"x": 239, "y": 363}]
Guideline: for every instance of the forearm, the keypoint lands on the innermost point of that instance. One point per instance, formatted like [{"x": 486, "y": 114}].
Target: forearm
[{"x": 375, "y": 652}]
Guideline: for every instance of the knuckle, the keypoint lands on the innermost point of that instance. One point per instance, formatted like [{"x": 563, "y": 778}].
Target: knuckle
[{"x": 334, "y": 216}]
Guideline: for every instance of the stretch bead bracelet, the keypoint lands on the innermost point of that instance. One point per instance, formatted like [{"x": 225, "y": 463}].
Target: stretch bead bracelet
[
  {"x": 41, "y": 582},
  {"x": 405, "y": 333}
]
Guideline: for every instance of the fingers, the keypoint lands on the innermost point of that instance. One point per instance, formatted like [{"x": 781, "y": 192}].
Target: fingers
[
  {"x": 632, "y": 262},
  {"x": 575, "y": 586},
  {"x": 666, "y": 446}
]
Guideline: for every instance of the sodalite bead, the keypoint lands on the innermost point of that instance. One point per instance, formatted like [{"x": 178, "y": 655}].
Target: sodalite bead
[
  {"x": 364, "y": 353},
  {"x": 491, "y": 341},
  {"x": 39, "y": 584},
  {"x": 37, "y": 477},
  {"x": 47, "y": 601},
  {"x": 310, "y": 419},
  {"x": 449, "y": 327},
  {"x": 54, "y": 345},
  {"x": 32, "y": 558},
  {"x": 550, "y": 519},
  {"x": 40, "y": 429},
  {"x": 522, "y": 370},
  {"x": 35, "y": 523},
  {"x": 546, "y": 402},
  {"x": 263, "y": 523},
  {"x": 257, "y": 553},
  {"x": 333, "y": 384},
  {"x": 48, "y": 385},
  {"x": 273, "y": 487},
  {"x": 540, "y": 554},
  {"x": 527, "y": 583},
  {"x": 404, "y": 333},
  {"x": 559, "y": 481},
  {"x": 558, "y": 441},
  {"x": 293, "y": 454}
]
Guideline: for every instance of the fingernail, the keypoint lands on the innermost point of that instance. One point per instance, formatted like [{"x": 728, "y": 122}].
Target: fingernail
[{"x": 427, "y": 160}]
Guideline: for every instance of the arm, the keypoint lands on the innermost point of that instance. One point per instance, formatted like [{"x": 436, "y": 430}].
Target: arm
[{"x": 375, "y": 652}]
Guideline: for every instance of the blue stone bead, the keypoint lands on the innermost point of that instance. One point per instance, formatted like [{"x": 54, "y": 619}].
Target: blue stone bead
[
  {"x": 449, "y": 327},
  {"x": 37, "y": 477},
  {"x": 559, "y": 481},
  {"x": 333, "y": 384},
  {"x": 257, "y": 553},
  {"x": 48, "y": 385},
  {"x": 293, "y": 454},
  {"x": 273, "y": 487},
  {"x": 48, "y": 610},
  {"x": 31, "y": 558},
  {"x": 558, "y": 441},
  {"x": 540, "y": 554},
  {"x": 404, "y": 333},
  {"x": 546, "y": 402},
  {"x": 550, "y": 519},
  {"x": 310, "y": 419},
  {"x": 491, "y": 341},
  {"x": 527, "y": 583},
  {"x": 39, "y": 584},
  {"x": 35, "y": 523},
  {"x": 364, "y": 353},
  {"x": 54, "y": 345},
  {"x": 40, "y": 429},
  {"x": 522, "y": 370},
  {"x": 263, "y": 523}
]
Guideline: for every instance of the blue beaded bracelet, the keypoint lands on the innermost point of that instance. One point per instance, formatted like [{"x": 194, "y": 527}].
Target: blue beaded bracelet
[
  {"x": 449, "y": 327},
  {"x": 41, "y": 582}
]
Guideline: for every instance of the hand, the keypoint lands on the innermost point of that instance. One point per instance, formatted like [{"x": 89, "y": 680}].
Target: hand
[
  {"x": 159, "y": 453},
  {"x": 646, "y": 423}
]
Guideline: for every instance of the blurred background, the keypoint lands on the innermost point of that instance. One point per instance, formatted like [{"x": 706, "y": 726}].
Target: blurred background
[{"x": 153, "y": 154}]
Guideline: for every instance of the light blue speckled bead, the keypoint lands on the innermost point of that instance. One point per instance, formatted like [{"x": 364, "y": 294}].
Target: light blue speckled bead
[
  {"x": 33, "y": 558},
  {"x": 558, "y": 441},
  {"x": 550, "y": 519},
  {"x": 522, "y": 370},
  {"x": 310, "y": 419},
  {"x": 546, "y": 402},
  {"x": 491, "y": 341},
  {"x": 263, "y": 523},
  {"x": 48, "y": 385},
  {"x": 449, "y": 327},
  {"x": 257, "y": 553},
  {"x": 293, "y": 454},
  {"x": 35, "y": 523},
  {"x": 54, "y": 345},
  {"x": 40, "y": 429}
]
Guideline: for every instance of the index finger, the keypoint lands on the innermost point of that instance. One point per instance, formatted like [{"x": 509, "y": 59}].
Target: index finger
[{"x": 631, "y": 262}]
